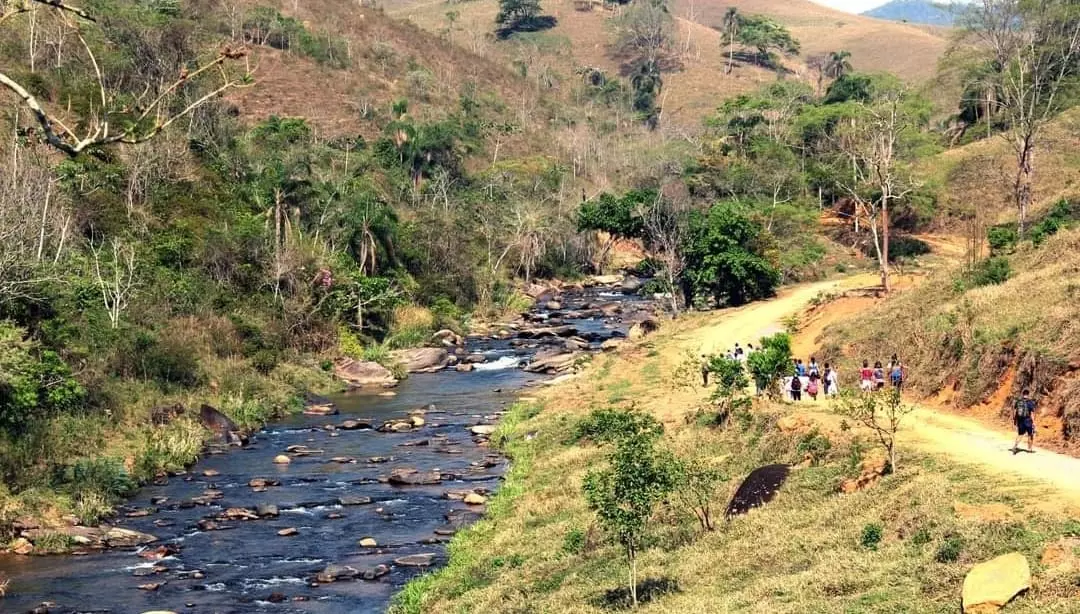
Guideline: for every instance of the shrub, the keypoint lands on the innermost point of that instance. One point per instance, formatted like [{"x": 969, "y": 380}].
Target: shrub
[
  {"x": 1002, "y": 239},
  {"x": 168, "y": 360},
  {"x": 264, "y": 361},
  {"x": 103, "y": 476},
  {"x": 815, "y": 445},
  {"x": 871, "y": 536},
  {"x": 770, "y": 362},
  {"x": 992, "y": 271},
  {"x": 33, "y": 382},
  {"x": 574, "y": 542},
  {"x": 725, "y": 252},
  {"x": 921, "y": 537},
  {"x": 950, "y": 549},
  {"x": 609, "y": 425}
]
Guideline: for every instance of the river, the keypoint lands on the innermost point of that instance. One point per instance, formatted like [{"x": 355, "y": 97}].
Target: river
[{"x": 245, "y": 566}]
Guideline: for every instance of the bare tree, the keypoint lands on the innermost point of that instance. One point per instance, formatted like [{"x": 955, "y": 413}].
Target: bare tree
[
  {"x": 115, "y": 274},
  {"x": 665, "y": 230},
  {"x": 872, "y": 142},
  {"x": 1034, "y": 49},
  {"x": 882, "y": 413},
  {"x": 110, "y": 119}
]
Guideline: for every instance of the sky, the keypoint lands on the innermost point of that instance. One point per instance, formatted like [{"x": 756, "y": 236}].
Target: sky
[{"x": 852, "y": 6}]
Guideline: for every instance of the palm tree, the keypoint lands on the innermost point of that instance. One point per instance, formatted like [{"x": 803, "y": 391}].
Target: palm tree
[
  {"x": 731, "y": 29},
  {"x": 838, "y": 65}
]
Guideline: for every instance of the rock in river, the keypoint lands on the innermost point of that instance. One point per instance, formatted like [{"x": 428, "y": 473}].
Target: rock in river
[
  {"x": 224, "y": 429},
  {"x": 361, "y": 373},
  {"x": 415, "y": 560},
  {"x": 407, "y": 476},
  {"x": 483, "y": 429},
  {"x": 423, "y": 360},
  {"x": 281, "y": 459}
]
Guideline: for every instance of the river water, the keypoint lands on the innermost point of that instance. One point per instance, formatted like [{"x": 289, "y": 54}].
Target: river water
[{"x": 245, "y": 566}]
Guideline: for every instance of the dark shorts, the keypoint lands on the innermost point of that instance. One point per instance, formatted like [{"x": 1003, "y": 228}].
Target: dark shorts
[{"x": 1025, "y": 426}]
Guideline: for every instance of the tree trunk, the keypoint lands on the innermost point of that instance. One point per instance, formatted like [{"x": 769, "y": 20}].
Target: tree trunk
[
  {"x": 1024, "y": 187},
  {"x": 884, "y": 256},
  {"x": 633, "y": 577}
]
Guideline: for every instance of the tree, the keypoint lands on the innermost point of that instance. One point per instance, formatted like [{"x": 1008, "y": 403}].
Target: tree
[
  {"x": 665, "y": 227},
  {"x": 882, "y": 413},
  {"x": 115, "y": 275},
  {"x": 116, "y": 116},
  {"x": 697, "y": 488},
  {"x": 838, "y": 64},
  {"x": 770, "y": 362},
  {"x": 618, "y": 216},
  {"x": 521, "y": 16},
  {"x": 873, "y": 140},
  {"x": 726, "y": 259},
  {"x": 643, "y": 35},
  {"x": 625, "y": 494},
  {"x": 764, "y": 35},
  {"x": 1034, "y": 48},
  {"x": 730, "y": 34},
  {"x": 33, "y": 381}
]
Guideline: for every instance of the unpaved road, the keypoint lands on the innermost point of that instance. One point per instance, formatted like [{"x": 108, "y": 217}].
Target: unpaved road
[{"x": 963, "y": 439}]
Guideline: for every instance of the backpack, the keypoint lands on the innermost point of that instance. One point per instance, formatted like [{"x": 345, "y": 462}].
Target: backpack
[
  {"x": 796, "y": 384},
  {"x": 811, "y": 388},
  {"x": 897, "y": 374},
  {"x": 1024, "y": 408}
]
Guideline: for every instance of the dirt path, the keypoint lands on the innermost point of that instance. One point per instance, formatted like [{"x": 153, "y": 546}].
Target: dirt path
[{"x": 963, "y": 439}]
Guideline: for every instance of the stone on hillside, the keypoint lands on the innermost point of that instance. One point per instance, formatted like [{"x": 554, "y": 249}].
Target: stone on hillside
[
  {"x": 422, "y": 360},
  {"x": 611, "y": 345},
  {"x": 553, "y": 361},
  {"x": 989, "y": 586},
  {"x": 362, "y": 373},
  {"x": 757, "y": 489},
  {"x": 643, "y": 328},
  {"x": 281, "y": 459},
  {"x": 870, "y": 472}
]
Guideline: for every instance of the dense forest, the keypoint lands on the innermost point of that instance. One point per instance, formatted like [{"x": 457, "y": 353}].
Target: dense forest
[{"x": 174, "y": 230}]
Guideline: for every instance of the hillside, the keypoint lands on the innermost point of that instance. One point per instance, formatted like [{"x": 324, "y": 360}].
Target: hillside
[{"x": 916, "y": 11}]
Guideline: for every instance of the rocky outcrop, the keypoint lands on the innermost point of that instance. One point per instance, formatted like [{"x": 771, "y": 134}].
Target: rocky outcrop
[
  {"x": 89, "y": 537},
  {"x": 989, "y": 586},
  {"x": 448, "y": 338},
  {"x": 407, "y": 476},
  {"x": 643, "y": 328},
  {"x": 548, "y": 331},
  {"x": 338, "y": 573},
  {"x": 630, "y": 285},
  {"x": 422, "y": 360},
  {"x": 363, "y": 373},
  {"x": 553, "y": 361},
  {"x": 870, "y": 471},
  {"x": 224, "y": 429}
]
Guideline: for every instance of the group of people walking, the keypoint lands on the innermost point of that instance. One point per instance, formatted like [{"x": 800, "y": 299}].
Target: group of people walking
[
  {"x": 874, "y": 378},
  {"x": 811, "y": 379}
]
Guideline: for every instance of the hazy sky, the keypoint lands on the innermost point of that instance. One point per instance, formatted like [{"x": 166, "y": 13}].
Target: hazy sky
[{"x": 856, "y": 6}]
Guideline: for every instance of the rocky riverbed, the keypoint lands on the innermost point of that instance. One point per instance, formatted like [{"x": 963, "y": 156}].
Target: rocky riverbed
[{"x": 334, "y": 510}]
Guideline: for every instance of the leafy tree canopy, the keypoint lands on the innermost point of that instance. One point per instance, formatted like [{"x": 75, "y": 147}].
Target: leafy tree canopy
[
  {"x": 727, "y": 256},
  {"x": 620, "y": 216}
]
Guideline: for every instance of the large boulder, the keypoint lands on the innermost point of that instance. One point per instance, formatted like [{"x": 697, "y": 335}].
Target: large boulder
[
  {"x": 126, "y": 538},
  {"x": 989, "y": 586},
  {"x": 448, "y": 338},
  {"x": 630, "y": 285},
  {"x": 423, "y": 360},
  {"x": 549, "y": 331},
  {"x": 224, "y": 429},
  {"x": 643, "y": 328},
  {"x": 555, "y": 360},
  {"x": 363, "y": 373},
  {"x": 407, "y": 476}
]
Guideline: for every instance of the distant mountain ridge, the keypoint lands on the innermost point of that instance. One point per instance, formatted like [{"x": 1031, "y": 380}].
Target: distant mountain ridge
[{"x": 917, "y": 11}]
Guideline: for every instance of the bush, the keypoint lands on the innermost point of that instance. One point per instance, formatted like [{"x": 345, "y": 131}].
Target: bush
[
  {"x": 1061, "y": 215},
  {"x": 264, "y": 361},
  {"x": 609, "y": 425},
  {"x": 815, "y": 445},
  {"x": 725, "y": 254},
  {"x": 871, "y": 536},
  {"x": 103, "y": 476},
  {"x": 1002, "y": 239},
  {"x": 574, "y": 542},
  {"x": 167, "y": 361},
  {"x": 33, "y": 382},
  {"x": 950, "y": 549},
  {"x": 907, "y": 247},
  {"x": 770, "y": 362},
  {"x": 992, "y": 271}
]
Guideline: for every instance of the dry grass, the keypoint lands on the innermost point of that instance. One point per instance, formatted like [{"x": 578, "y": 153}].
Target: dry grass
[{"x": 541, "y": 549}]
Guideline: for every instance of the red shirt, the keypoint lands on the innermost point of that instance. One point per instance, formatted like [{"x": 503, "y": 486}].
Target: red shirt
[{"x": 867, "y": 374}]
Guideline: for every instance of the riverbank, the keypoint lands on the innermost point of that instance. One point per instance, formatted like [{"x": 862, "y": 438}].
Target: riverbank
[{"x": 900, "y": 542}]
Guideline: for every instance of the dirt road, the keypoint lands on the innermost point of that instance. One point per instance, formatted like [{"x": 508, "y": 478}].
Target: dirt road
[{"x": 963, "y": 439}]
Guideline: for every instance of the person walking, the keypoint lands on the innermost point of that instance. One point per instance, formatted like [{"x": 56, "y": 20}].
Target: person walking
[
  {"x": 814, "y": 367},
  {"x": 879, "y": 376},
  {"x": 866, "y": 377},
  {"x": 832, "y": 381},
  {"x": 1024, "y": 415},
  {"x": 796, "y": 388},
  {"x": 800, "y": 368},
  {"x": 897, "y": 375},
  {"x": 812, "y": 385},
  {"x": 704, "y": 371}
]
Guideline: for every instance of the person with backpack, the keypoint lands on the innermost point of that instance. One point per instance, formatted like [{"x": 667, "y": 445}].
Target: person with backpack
[
  {"x": 897, "y": 375},
  {"x": 812, "y": 385},
  {"x": 814, "y": 367},
  {"x": 796, "y": 388},
  {"x": 879, "y": 376},
  {"x": 866, "y": 377},
  {"x": 1024, "y": 415}
]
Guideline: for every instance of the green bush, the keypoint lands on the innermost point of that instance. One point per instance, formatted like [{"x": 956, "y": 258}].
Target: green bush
[
  {"x": 168, "y": 360},
  {"x": 574, "y": 542},
  {"x": 992, "y": 271},
  {"x": 1061, "y": 215},
  {"x": 871, "y": 536},
  {"x": 770, "y": 362},
  {"x": 609, "y": 425},
  {"x": 33, "y": 382},
  {"x": 1002, "y": 239},
  {"x": 725, "y": 252},
  {"x": 264, "y": 361},
  {"x": 950, "y": 549},
  {"x": 815, "y": 445},
  {"x": 105, "y": 476}
]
